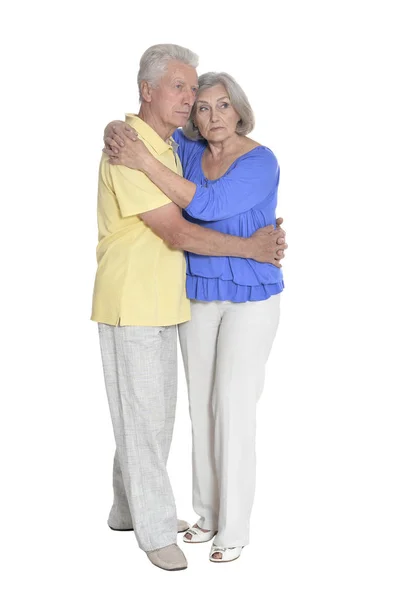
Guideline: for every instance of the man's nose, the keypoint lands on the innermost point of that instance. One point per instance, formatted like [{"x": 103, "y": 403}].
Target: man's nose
[{"x": 189, "y": 97}]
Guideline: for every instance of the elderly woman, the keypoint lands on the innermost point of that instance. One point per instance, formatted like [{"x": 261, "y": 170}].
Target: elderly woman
[{"x": 230, "y": 185}]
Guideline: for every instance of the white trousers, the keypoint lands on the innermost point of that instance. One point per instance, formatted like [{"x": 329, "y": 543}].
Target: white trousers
[{"x": 225, "y": 347}]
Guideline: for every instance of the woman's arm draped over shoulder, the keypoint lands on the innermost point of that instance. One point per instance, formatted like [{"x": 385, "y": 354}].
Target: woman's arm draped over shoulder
[{"x": 253, "y": 178}]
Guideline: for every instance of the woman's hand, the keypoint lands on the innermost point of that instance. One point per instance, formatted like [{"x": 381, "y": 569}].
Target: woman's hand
[
  {"x": 115, "y": 135},
  {"x": 123, "y": 146},
  {"x": 132, "y": 154}
]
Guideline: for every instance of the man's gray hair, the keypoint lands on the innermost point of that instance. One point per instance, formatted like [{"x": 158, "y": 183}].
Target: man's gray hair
[
  {"x": 238, "y": 99},
  {"x": 154, "y": 62}
]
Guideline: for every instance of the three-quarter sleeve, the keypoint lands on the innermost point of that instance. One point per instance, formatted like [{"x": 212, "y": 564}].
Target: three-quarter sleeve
[{"x": 253, "y": 179}]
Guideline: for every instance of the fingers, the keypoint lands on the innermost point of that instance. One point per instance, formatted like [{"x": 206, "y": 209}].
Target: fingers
[
  {"x": 272, "y": 230},
  {"x": 116, "y": 137},
  {"x": 268, "y": 229},
  {"x": 113, "y": 159},
  {"x": 280, "y": 252},
  {"x": 109, "y": 143},
  {"x": 278, "y": 225},
  {"x": 110, "y": 152},
  {"x": 131, "y": 133},
  {"x": 115, "y": 141},
  {"x": 278, "y": 237},
  {"x": 278, "y": 232}
]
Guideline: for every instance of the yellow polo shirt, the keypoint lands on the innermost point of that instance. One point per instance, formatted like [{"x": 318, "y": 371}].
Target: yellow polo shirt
[{"x": 140, "y": 280}]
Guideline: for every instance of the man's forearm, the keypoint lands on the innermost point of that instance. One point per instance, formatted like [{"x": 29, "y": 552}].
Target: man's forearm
[{"x": 201, "y": 240}]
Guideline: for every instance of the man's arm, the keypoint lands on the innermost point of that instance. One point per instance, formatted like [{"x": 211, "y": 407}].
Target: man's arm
[{"x": 168, "y": 223}]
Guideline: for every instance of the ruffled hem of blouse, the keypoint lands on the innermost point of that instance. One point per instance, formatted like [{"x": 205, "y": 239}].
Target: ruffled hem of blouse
[
  {"x": 241, "y": 271},
  {"x": 208, "y": 290}
]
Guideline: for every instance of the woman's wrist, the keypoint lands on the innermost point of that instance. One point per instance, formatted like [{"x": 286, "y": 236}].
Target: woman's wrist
[{"x": 149, "y": 164}]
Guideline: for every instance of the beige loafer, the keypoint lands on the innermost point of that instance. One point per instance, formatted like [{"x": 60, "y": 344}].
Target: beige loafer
[
  {"x": 169, "y": 558},
  {"x": 182, "y": 526}
]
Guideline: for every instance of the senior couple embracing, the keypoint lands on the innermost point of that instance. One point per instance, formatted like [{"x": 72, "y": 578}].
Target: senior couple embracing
[{"x": 188, "y": 244}]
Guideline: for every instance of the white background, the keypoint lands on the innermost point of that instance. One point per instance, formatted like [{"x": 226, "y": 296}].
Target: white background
[{"x": 322, "y": 78}]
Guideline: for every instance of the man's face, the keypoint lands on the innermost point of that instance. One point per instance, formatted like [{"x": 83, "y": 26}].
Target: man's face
[{"x": 173, "y": 98}]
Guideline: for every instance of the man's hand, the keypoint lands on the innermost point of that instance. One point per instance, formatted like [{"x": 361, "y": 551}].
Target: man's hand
[
  {"x": 281, "y": 238},
  {"x": 269, "y": 244},
  {"x": 115, "y": 135}
]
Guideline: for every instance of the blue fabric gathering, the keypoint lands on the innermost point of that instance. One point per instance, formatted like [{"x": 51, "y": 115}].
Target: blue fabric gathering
[{"x": 240, "y": 202}]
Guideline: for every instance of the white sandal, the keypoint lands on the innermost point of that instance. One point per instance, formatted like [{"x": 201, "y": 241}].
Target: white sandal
[
  {"x": 198, "y": 536},
  {"x": 228, "y": 554}
]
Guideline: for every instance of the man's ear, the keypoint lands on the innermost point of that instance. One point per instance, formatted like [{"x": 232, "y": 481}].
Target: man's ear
[{"x": 146, "y": 91}]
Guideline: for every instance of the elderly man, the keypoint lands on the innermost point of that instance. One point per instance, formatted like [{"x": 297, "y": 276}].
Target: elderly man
[{"x": 139, "y": 298}]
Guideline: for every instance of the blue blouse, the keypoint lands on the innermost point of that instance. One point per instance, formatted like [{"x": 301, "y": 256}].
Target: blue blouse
[{"x": 238, "y": 203}]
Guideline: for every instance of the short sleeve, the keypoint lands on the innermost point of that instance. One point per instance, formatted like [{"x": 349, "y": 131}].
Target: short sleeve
[{"x": 135, "y": 192}]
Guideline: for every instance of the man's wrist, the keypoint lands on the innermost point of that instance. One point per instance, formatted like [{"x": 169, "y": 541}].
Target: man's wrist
[{"x": 248, "y": 248}]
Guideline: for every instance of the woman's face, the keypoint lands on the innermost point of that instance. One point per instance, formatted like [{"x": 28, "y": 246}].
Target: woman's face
[{"x": 214, "y": 115}]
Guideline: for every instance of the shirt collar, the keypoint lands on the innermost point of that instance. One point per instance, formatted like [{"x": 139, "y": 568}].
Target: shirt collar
[
  {"x": 174, "y": 144},
  {"x": 149, "y": 135}
]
